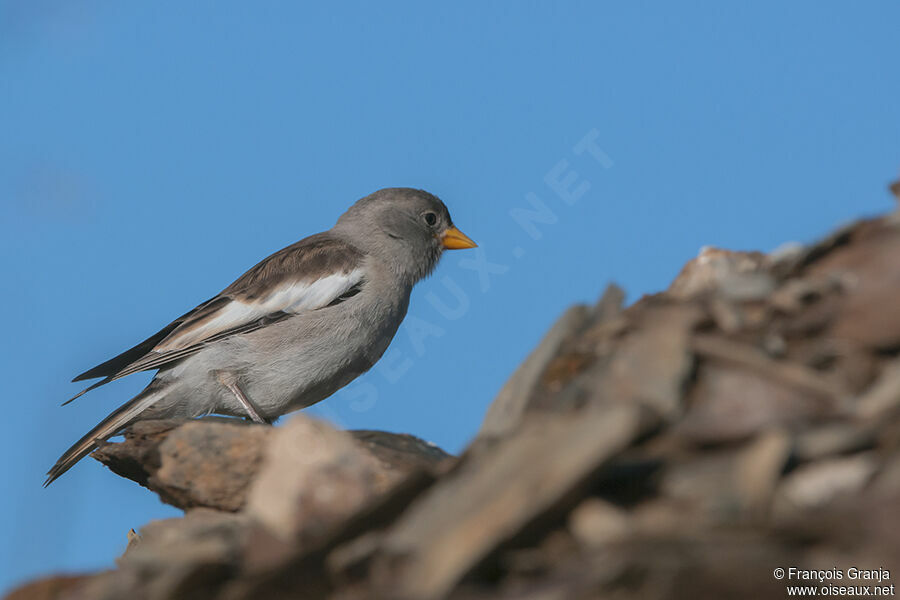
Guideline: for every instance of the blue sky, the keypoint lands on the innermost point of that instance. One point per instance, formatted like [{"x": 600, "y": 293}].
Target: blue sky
[{"x": 150, "y": 153}]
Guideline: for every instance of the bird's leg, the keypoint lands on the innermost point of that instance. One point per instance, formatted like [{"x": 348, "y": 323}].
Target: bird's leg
[
  {"x": 245, "y": 402},
  {"x": 229, "y": 382}
]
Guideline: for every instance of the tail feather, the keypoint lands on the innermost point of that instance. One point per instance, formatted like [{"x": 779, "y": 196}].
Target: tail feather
[
  {"x": 87, "y": 389},
  {"x": 118, "y": 420}
]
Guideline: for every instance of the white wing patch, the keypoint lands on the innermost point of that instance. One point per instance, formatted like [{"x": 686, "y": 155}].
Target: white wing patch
[{"x": 296, "y": 297}]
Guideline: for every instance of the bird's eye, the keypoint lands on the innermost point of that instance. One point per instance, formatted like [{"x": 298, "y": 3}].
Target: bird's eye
[{"x": 430, "y": 219}]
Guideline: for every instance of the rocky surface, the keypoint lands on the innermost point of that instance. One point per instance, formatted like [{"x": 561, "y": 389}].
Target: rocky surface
[
  {"x": 212, "y": 462},
  {"x": 683, "y": 447}
]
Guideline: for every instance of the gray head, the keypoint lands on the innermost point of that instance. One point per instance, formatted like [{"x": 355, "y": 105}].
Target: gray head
[{"x": 407, "y": 228}]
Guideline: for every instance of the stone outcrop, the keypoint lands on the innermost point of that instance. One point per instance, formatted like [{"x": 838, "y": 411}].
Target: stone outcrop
[{"x": 748, "y": 418}]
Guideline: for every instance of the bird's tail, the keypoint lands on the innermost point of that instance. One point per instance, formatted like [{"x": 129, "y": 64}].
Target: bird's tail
[{"x": 108, "y": 427}]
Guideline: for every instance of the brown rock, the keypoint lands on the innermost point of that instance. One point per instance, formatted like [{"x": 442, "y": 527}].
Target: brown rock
[
  {"x": 832, "y": 439},
  {"x": 564, "y": 353},
  {"x": 190, "y": 464},
  {"x": 680, "y": 448},
  {"x": 713, "y": 266},
  {"x": 460, "y": 520},
  {"x": 209, "y": 464},
  {"x": 508, "y": 409},
  {"x": 882, "y": 399},
  {"x": 185, "y": 558},
  {"x": 595, "y": 522},
  {"x": 703, "y": 487},
  {"x": 313, "y": 478},
  {"x": 212, "y": 462},
  {"x": 815, "y": 485},
  {"x": 758, "y": 472},
  {"x": 52, "y": 588},
  {"x": 870, "y": 315},
  {"x": 137, "y": 457},
  {"x": 791, "y": 259},
  {"x": 729, "y": 404},
  {"x": 651, "y": 363},
  {"x": 748, "y": 358},
  {"x": 399, "y": 454}
]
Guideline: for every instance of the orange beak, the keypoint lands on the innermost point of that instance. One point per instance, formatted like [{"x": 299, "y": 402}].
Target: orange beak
[{"x": 454, "y": 239}]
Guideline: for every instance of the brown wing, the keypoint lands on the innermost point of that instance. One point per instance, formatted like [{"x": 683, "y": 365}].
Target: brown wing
[{"x": 311, "y": 274}]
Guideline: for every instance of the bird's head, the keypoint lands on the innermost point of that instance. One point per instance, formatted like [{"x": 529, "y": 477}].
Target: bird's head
[{"x": 406, "y": 227}]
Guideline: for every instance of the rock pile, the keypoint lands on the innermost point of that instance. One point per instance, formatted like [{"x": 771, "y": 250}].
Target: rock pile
[{"x": 683, "y": 447}]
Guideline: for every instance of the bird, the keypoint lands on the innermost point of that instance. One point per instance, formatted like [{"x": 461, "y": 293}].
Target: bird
[{"x": 293, "y": 329}]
